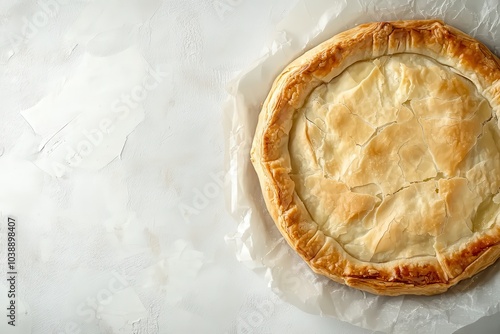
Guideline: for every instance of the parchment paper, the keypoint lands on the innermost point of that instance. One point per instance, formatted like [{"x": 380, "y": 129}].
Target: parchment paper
[{"x": 257, "y": 242}]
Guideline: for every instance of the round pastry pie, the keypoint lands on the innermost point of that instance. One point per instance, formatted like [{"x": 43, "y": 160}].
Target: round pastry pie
[{"x": 378, "y": 155}]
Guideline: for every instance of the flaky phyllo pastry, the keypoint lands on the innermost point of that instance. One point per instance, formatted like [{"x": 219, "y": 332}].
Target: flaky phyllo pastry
[{"x": 378, "y": 155}]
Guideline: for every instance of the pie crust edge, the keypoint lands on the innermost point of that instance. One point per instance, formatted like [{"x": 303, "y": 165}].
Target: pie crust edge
[{"x": 270, "y": 157}]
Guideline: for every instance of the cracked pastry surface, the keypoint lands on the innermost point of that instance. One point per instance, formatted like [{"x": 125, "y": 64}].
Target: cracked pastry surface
[{"x": 378, "y": 154}]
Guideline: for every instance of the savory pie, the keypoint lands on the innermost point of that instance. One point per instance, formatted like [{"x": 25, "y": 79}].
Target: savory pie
[{"x": 378, "y": 154}]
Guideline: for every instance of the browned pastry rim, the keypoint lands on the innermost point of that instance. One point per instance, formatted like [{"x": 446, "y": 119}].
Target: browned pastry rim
[{"x": 429, "y": 274}]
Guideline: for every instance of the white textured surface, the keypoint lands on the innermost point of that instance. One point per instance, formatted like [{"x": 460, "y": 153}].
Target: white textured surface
[{"x": 128, "y": 237}]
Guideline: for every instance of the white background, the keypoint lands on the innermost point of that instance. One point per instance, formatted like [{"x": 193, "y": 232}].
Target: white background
[{"x": 130, "y": 238}]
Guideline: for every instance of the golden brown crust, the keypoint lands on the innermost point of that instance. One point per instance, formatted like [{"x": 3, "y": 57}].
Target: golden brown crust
[{"x": 270, "y": 155}]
